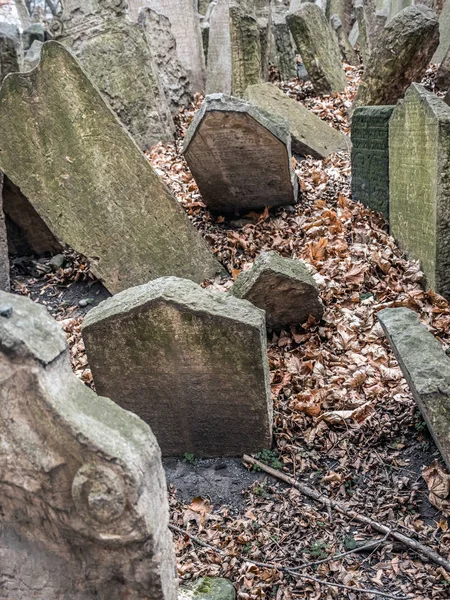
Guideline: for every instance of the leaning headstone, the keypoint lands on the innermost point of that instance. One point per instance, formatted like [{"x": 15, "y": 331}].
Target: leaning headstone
[
  {"x": 444, "y": 33},
  {"x": 163, "y": 47},
  {"x": 84, "y": 512},
  {"x": 284, "y": 47},
  {"x": 185, "y": 25},
  {"x": 425, "y": 367},
  {"x": 310, "y": 135},
  {"x": 240, "y": 156},
  {"x": 33, "y": 56},
  {"x": 9, "y": 50},
  {"x": 88, "y": 180},
  {"x": 419, "y": 162},
  {"x": 283, "y": 287},
  {"x": 363, "y": 39},
  {"x": 115, "y": 55},
  {"x": 189, "y": 361},
  {"x": 370, "y": 157},
  {"x": 401, "y": 56},
  {"x": 347, "y": 52},
  {"x": 4, "y": 260},
  {"x": 234, "y": 54},
  {"x": 318, "y": 48}
]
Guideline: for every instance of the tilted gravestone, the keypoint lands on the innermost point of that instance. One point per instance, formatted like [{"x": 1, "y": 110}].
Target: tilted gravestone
[
  {"x": 283, "y": 53},
  {"x": 425, "y": 367},
  {"x": 370, "y": 157},
  {"x": 9, "y": 50},
  {"x": 343, "y": 9},
  {"x": 234, "y": 52},
  {"x": 310, "y": 135},
  {"x": 84, "y": 503},
  {"x": 401, "y": 56},
  {"x": 4, "y": 260},
  {"x": 88, "y": 180},
  {"x": 240, "y": 156},
  {"x": 163, "y": 47},
  {"x": 191, "y": 362},
  {"x": 348, "y": 54},
  {"x": 282, "y": 287},
  {"x": 419, "y": 203},
  {"x": 185, "y": 25},
  {"x": 444, "y": 33},
  {"x": 115, "y": 55},
  {"x": 443, "y": 73},
  {"x": 318, "y": 48}
]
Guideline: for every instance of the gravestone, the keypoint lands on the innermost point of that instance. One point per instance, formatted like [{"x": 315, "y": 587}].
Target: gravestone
[
  {"x": 310, "y": 135},
  {"x": 9, "y": 50},
  {"x": 363, "y": 38},
  {"x": 282, "y": 287},
  {"x": 425, "y": 367},
  {"x": 4, "y": 259},
  {"x": 370, "y": 157},
  {"x": 163, "y": 48},
  {"x": 88, "y": 180},
  {"x": 444, "y": 33},
  {"x": 115, "y": 55},
  {"x": 234, "y": 53},
  {"x": 240, "y": 156},
  {"x": 343, "y": 9},
  {"x": 189, "y": 361},
  {"x": 185, "y": 25},
  {"x": 283, "y": 46},
  {"x": 347, "y": 52},
  {"x": 419, "y": 162},
  {"x": 443, "y": 73},
  {"x": 85, "y": 512},
  {"x": 401, "y": 56},
  {"x": 318, "y": 48}
]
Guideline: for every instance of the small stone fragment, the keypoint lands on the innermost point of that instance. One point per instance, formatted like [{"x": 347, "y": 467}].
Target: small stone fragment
[
  {"x": 189, "y": 361},
  {"x": 56, "y": 262},
  {"x": 283, "y": 287},
  {"x": 240, "y": 156},
  {"x": 318, "y": 48},
  {"x": 310, "y": 135},
  {"x": 208, "y": 588}
]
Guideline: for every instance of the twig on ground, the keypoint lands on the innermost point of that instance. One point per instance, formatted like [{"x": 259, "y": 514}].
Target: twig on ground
[
  {"x": 195, "y": 539},
  {"x": 343, "y": 509}
]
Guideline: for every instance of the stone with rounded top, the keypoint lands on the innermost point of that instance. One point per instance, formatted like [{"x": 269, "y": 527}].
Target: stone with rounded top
[
  {"x": 208, "y": 588},
  {"x": 240, "y": 156},
  {"x": 190, "y": 361},
  {"x": 283, "y": 287}
]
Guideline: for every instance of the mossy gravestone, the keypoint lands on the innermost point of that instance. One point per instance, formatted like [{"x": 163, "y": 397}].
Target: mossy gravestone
[
  {"x": 310, "y": 135},
  {"x": 189, "y": 361},
  {"x": 240, "y": 156},
  {"x": 425, "y": 367},
  {"x": 419, "y": 167},
  {"x": 317, "y": 45},
  {"x": 85, "y": 513},
  {"x": 401, "y": 55},
  {"x": 86, "y": 177},
  {"x": 370, "y": 157}
]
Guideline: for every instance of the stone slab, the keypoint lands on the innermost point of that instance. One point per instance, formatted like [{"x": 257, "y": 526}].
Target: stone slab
[
  {"x": 425, "y": 367},
  {"x": 4, "y": 259},
  {"x": 189, "y": 361},
  {"x": 94, "y": 188},
  {"x": 84, "y": 500},
  {"x": 240, "y": 156},
  {"x": 444, "y": 34},
  {"x": 370, "y": 157},
  {"x": 282, "y": 287},
  {"x": 318, "y": 47},
  {"x": 419, "y": 203},
  {"x": 310, "y": 135}
]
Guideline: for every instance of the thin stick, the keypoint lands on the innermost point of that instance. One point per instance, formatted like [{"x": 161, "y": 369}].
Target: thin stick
[
  {"x": 195, "y": 539},
  {"x": 343, "y": 509}
]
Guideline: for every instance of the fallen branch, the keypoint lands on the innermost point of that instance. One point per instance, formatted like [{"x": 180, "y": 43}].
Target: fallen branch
[
  {"x": 343, "y": 509},
  {"x": 195, "y": 539}
]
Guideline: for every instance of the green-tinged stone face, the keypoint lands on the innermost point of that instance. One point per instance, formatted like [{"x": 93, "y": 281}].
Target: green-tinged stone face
[{"x": 208, "y": 588}]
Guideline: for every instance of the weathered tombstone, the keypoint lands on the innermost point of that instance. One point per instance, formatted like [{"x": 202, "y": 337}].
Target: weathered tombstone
[
  {"x": 370, "y": 157},
  {"x": 419, "y": 161},
  {"x": 425, "y": 367},
  {"x": 185, "y": 24},
  {"x": 86, "y": 177},
  {"x": 443, "y": 73},
  {"x": 240, "y": 156},
  {"x": 284, "y": 47},
  {"x": 9, "y": 50},
  {"x": 115, "y": 55},
  {"x": 189, "y": 361},
  {"x": 234, "y": 54},
  {"x": 318, "y": 47},
  {"x": 363, "y": 38},
  {"x": 310, "y": 135},
  {"x": 347, "y": 52},
  {"x": 163, "y": 47},
  {"x": 444, "y": 33},
  {"x": 343, "y": 9},
  {"x": 401, "y": 56},
  {"x": 84, "y": 502},
  {"x": 4, "y": 260},
  {"x": 282, "y": 287},
  {"x": 33, "y": 56}
]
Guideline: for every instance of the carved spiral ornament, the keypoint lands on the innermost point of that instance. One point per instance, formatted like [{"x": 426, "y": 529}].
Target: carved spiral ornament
[
  {"x": 56, "y": 27},
  {"x": 119, "y": 6}
]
